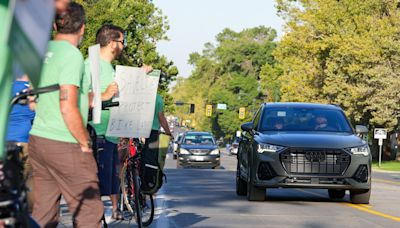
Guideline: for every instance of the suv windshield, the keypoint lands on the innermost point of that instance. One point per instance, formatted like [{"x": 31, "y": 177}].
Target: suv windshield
[
  {"x": 197, "y": 139},
  {"x": 304, "y": 119}
]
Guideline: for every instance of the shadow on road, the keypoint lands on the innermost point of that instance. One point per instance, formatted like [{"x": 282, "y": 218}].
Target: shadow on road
[{"x": 215, "y": 191}]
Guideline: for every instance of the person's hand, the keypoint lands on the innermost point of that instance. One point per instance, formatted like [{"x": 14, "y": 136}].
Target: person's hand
[
  {"x": 111, "y": 90},
  {"x": 32, "y": 103},
  {"x": 147, "y": 69},
  {"x": 86, "y": 149},
  {"x": 170, "y": 135}
]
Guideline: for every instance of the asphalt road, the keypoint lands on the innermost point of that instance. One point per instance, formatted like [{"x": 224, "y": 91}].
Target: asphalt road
[{"x": 207, "y": 198}]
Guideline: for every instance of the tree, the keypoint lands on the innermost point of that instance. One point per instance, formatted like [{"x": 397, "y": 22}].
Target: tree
[
  {"x": 228, "y": 73},
  {"x": 343, "y": 52},
  {"x": 144, "y": 25}
]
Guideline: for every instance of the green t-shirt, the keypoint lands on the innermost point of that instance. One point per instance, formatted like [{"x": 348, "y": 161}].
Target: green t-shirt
[
  {"x": 63, "y": 65},
  {"x": 107, "y": 74},
  {"x": 159, "y": 108}
]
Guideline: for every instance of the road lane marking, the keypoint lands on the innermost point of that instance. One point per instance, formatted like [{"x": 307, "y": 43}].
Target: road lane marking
[
  {"x": 361, "y": 208},
  {"x": 385, "y": 181},
  {"x": 365, "y": 205}
]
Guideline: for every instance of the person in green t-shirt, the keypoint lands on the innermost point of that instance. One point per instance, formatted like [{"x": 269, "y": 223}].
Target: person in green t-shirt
[
  {"x": 159, "y": 121},
  {"x": 111, "y": 40},
  {"x": 59, "y": 144}
]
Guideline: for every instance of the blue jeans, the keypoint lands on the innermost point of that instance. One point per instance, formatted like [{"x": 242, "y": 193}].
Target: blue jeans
[{"x": 108, "y": 165}]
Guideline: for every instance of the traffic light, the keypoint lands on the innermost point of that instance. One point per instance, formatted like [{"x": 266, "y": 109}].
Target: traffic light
[
  {"x": 242, "y": 113},
  {"x": 208, "y": 110},
  {"x": 191, "y": 108}
]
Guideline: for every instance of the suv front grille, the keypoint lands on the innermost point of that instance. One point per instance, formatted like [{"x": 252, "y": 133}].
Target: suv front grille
[
  {"x": 199, "y": 151},
  {"x": 315, "y": 161}
]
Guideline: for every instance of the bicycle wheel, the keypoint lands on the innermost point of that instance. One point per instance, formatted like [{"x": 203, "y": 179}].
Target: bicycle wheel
[
  {"x": 126, "y": 193},
  {"x": 147, "y": 205},
  {"x": 137, "y": 201}
]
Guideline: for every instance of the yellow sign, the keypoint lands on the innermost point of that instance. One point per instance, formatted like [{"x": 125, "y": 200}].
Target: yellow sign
[
  {"x": 242, "y": 113},
  {"x": 208, "y": 110}
]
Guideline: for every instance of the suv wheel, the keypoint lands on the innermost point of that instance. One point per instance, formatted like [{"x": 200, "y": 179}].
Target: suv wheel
[
  {"x": 241, "y": 185},
  {"x": 360, "y": 196},
  {"x": 255, "y": 193},
  {"x": 336, "y": 194}
]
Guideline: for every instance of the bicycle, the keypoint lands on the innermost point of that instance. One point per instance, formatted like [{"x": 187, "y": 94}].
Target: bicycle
[
  {"x": 13, "y": 198},
  {"x": 137, "y": 203}
]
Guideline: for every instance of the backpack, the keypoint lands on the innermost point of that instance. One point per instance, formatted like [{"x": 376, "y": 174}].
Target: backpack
[{"x": 153, "y": 162}]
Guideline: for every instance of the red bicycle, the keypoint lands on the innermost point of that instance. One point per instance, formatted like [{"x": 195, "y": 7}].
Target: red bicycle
[{"x": 133, "y": 201}]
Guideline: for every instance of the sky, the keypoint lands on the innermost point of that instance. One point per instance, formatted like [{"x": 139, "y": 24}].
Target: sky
[{"x": 196, "y": 22}]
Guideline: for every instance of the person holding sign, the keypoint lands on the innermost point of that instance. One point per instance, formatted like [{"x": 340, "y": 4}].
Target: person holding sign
[
  {"x": 59, "y": 144},
  {"x": 111, "y": 40}
]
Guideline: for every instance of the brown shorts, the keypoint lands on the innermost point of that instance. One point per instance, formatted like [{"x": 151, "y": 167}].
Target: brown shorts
[{"x": 61, "y": 168}]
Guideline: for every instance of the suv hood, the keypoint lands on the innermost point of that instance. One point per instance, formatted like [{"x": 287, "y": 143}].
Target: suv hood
[{"x": 310, "y": 139}]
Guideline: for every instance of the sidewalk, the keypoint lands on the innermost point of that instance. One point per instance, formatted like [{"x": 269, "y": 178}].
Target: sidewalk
[{"x": 159, "y": 221}]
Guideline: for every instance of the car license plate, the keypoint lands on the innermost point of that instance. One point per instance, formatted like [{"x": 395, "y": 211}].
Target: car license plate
[{"x": 199, "y": 159}]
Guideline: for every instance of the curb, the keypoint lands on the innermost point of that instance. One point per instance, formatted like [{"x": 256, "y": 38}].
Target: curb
[{"x": 384, "y": 171}]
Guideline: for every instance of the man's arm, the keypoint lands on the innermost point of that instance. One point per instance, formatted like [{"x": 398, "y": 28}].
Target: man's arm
[
  {"x": 164, "y": 123},
  {"x": 111, "y": 90},
  {"x": 72, "y": 117}
]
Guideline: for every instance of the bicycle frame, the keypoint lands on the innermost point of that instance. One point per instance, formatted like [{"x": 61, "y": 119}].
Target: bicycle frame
[{"x": 131, "y": 189}]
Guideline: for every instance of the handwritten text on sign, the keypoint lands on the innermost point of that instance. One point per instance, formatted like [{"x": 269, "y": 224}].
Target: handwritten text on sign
[{"x": 137, "y": 94}]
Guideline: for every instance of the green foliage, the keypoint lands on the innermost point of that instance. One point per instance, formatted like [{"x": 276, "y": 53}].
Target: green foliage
[
  {"x": 145, "y": 26},
  {"x": 227, "y": 73},
  {"x": 343, "y": 52}
]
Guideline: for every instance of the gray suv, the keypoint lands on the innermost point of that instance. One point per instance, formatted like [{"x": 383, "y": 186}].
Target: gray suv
[{"x": 295, "y": 145}]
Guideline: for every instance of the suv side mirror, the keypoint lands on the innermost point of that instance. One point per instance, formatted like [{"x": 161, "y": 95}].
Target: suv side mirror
[
  {"x": 361, "y": 129},
  {"x": 247, "y": 126}
]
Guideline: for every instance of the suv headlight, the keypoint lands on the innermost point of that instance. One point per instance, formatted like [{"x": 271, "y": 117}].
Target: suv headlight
[
  {"x": 215, "y": 152},
  {"x": 268, "y": 148},
  {"x": 363, "y": 150},
  {"x": 183, "y": 151}
]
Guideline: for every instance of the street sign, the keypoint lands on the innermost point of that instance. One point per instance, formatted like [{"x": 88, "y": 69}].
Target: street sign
[
  {"x": 380, "y": 133},
  {"x": 179, "y": 103},
  {"x": 242, "y": 113},
  {"x": 208, "y": 110},
  {"x": 221, "y": 106}
]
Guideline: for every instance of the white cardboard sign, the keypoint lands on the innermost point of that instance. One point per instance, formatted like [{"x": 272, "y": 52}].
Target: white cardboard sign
[
  {"x": 133, "y": 117},
  {"x": 94, "y": 58}
]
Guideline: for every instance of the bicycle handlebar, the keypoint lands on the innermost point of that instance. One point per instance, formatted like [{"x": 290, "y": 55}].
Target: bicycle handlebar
[
  {"x": 24, "y": 95},
  {"x": 105, "y": 105}
]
